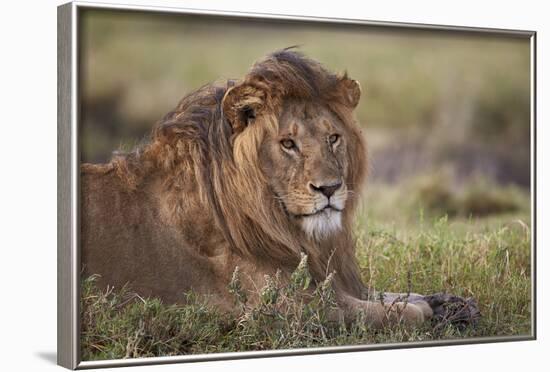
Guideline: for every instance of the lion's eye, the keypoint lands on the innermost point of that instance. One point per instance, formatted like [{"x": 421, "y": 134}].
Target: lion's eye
[
  {"x": 288, "y": 144},
  {"x": 333, "y": 139}
]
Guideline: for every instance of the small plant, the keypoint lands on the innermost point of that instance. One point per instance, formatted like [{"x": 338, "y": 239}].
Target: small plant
[
  {"x": 236, "y": 289},
  {"x": 300, "y": 278}
]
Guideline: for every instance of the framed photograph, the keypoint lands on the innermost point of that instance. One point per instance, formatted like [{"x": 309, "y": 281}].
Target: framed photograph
[{"x": 235, "y": 185}]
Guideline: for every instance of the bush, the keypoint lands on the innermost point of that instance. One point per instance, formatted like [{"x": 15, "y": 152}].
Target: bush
[{"x": 437, "y": 195}]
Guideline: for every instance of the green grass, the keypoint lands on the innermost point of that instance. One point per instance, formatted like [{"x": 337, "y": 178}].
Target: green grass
[{"x": 485, "y": 257}]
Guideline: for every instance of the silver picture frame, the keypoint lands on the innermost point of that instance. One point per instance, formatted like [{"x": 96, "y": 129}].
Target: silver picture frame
[{"x": 68, "y": 160}]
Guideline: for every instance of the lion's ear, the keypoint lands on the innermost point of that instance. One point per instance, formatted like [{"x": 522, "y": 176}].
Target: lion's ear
[
  {"x": 350, "y": 91},
  {"x": 241, "y": 105}
]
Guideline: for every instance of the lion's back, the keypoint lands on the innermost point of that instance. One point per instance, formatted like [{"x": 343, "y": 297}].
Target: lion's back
[
  {"x": 116, "y": 226},
  {"x": 104, "y": 197},
  {"x": 124, "y": 240}
]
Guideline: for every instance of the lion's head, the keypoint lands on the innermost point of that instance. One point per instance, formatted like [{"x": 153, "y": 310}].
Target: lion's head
[
  {"x": 309, "y": 150},
  {"x": 277, "y": 158}
]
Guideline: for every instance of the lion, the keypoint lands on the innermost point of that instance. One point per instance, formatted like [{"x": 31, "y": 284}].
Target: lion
[{"x": 249, "y": 173}]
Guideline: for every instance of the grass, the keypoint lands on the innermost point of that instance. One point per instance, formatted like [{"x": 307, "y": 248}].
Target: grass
[{"x": 484, "y": 257}]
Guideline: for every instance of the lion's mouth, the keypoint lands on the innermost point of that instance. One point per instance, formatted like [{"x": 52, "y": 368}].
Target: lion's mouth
[{"x": 326, "y": 209}]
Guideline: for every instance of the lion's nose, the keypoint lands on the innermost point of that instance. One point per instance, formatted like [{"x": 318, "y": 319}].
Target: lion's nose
[{"x": 327, "y": 190}]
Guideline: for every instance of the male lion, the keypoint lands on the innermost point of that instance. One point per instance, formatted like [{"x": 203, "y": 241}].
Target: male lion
[{"x": 248, "y": 173}]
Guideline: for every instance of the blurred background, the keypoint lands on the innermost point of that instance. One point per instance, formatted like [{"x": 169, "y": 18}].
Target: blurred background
[{"x": 446, "y": 114}]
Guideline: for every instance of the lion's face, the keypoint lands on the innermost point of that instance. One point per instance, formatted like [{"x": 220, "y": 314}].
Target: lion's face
[{"x": 305, "y": 164}]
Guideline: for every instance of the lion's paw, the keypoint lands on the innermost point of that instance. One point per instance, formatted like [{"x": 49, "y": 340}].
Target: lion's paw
[{"x": 455, "y": 310}]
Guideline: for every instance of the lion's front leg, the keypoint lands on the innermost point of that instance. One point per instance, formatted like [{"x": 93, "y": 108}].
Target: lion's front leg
[
  {"x": 380, "y": 314},
  {"x": 410, "y": 298}
]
